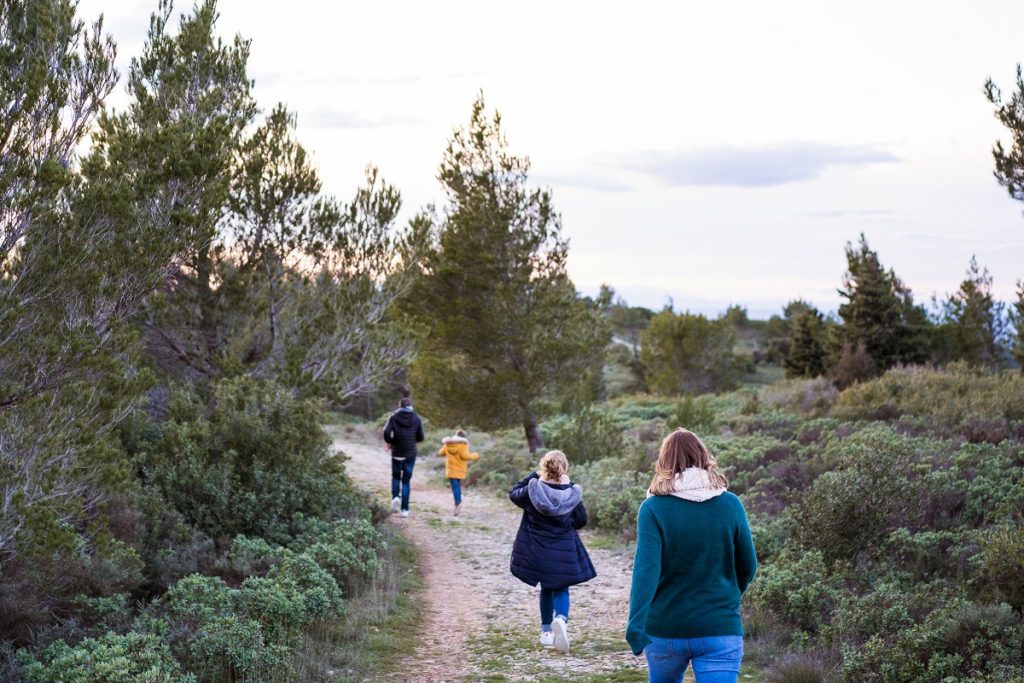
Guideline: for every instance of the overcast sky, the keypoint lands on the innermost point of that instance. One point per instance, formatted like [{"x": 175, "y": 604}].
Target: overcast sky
[{"x": 711, "y": 152}]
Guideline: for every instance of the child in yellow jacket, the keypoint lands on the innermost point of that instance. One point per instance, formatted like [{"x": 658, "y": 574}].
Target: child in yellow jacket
[{"x": 456, "y": 450}]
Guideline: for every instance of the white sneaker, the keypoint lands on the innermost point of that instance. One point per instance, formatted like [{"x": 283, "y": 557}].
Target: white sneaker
[
  {"x": 395, "y": 503},
  {"x": 547, "y": 638},
  {"x": 561, "y": 636},
  {"x": 457, "y": 508},
  {"x": 405, "y": 513}
]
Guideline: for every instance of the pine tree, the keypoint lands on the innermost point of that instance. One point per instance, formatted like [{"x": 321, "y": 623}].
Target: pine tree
[
  {"x": 506, "y": 333},
  {"x": 806, "y": 355},
  {"x": 69, "y": 278},
  {"x": 974, "y": 319},
  {"x": 879, "y": 311},
  {"x": 170, "y": 155},
  {"x": 313, "y": 279},
  {"x": 1009, "y": 169},
  {"x": 1017, "y": 319}
]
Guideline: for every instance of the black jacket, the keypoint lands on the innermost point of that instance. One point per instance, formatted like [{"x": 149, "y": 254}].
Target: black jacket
[
  {"x": 547, "y": 549},
  {"x": 403, "y": 431}
]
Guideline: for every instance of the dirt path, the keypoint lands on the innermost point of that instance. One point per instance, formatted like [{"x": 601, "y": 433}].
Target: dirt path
[{"x": 481, "y": 623}]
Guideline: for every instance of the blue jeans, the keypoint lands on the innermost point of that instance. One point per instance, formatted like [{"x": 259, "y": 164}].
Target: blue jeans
[
  {"x": 553, "y": 602},
  {"x": 401, "y": 475},
  {"x": 457, "y": 490},
  {"x": 716, "y": 659}
]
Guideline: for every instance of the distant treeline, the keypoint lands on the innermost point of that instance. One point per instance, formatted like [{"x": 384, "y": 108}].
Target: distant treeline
[{"x": 879, "y": 326}]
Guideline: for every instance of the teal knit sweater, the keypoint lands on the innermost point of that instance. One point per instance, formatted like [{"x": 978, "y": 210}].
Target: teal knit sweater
[{"x": 693, "y": 561}]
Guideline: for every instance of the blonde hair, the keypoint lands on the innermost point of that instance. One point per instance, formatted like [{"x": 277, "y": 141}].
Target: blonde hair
[
  {"x": 553, "y": 466},
  {"x": 681, "y": 449}
]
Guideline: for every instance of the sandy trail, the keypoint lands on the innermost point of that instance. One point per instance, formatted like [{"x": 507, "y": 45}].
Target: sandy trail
[{"x": 481, "y": 623}]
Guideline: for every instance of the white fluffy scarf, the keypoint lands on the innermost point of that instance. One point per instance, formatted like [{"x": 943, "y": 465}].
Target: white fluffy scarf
[{"x": 693, "y": 484}]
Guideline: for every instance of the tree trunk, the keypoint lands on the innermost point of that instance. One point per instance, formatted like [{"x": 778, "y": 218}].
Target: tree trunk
[{"x": 533, "y": 437}]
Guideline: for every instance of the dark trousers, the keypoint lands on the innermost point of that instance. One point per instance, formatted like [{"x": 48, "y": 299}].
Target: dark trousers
[
  {"x": 401, "y": 475},
  {"x": 457, "y": 490}
]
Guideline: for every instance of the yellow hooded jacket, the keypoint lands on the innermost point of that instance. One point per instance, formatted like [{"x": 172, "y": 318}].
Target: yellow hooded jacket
[{"x": 456, "y": 449}]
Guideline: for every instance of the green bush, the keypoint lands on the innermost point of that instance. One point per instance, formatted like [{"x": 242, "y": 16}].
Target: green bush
[
  {"x": 612, "y": 493},
  {"x": 887, "y": 607},
  {"x": 963, "y": 641},
  {"x": 251, "y": 632},
  {"x": 797, "y": 588},
  {"x": 695, "y": 414},
  {"x": 349, "y": 550},
  {"x": 246, "y": 460},
  {"x": 588, "y": 435},
  {"x": 805, "y": 396},
  {"x": 1001, "y": 564},
  {"x": 950, "y": 397},
  {"x": 852, "y": 507},
  {"x": 319, "y": 592},
  {"x": 504, "y": 460},
  {"x": 112, "y": 658}
]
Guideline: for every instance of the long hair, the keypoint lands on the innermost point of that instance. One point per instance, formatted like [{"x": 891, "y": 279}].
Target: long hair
[
  {"x": 681, "y": 449},
  {"x": 553, "y": 466}
]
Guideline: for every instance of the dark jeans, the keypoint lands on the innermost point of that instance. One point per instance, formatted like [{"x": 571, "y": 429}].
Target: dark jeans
[
  {"x": 457, "y": 490},
  {"x": 401, "y": 475},
  {"x": 554, "y": 602},
  {"x": 715, "y": 659}
]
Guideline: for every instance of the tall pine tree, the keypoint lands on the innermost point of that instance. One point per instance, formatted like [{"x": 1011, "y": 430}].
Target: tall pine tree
[
  {"x": 507, "y": 335},
  {"x": 805, "y": 351},
  {"x": 1009, "y": 163},
  {"x": 1017, "y": 319},
  {"x": 879, "y": 312},
  {"x": 172, "y": 154},
  {"x": 974, "y": 319}
]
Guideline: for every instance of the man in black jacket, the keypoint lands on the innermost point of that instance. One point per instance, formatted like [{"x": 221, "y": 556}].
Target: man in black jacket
[{"x": 403, "y": 431}]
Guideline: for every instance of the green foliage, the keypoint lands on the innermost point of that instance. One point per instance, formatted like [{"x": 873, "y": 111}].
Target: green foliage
[
  {"x": 688, "y": 353},
  {"x": 954, "y": 395},
  {"x": 850, "y": 508},
  {"x": 249, "y": 632},
  {"x": 507, "y": 460},
  {"x": 1002, "y": 564},
  {"x": 695, "y": 414},
  {"x": 350, "y": 550},
  {"x": 247, "y": 460},
  {"x": 805, "y": 351},
  {"x": 613, "y": 493},
  {"x": 973, "y": 320},
  {"x": 797, "y": 588},
  {"x": 1009, "y": 164},
  {"x": 589, "y": 435},
  {"x": 68, "y": 359},
  {"x": 130, "y": 658},
  {"x": 627, "y": 322},
  {"x": 879, "y": 311},
  {"x": 807, "y": 396},
  {"x": 959, "y": 642},
  {"x": 1017, "y": 321},
  {"x": 508, "y": 333}
]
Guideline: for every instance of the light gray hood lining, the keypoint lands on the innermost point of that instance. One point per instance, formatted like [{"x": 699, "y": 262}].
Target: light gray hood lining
[{"x": 551, "y": 501}]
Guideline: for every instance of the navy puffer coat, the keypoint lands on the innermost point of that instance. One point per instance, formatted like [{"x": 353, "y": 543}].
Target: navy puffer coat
[{"x": 548, "y": 550}]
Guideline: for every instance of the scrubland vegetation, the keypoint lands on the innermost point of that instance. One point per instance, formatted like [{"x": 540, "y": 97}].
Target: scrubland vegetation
[{"x": 182, "y": 304}]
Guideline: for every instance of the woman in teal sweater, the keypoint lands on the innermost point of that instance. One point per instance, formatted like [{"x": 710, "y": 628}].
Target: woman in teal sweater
[{"x": 694, "y": 559}]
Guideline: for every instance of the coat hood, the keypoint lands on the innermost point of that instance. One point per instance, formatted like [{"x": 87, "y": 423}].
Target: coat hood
[
  {"x": 553, "y": 501},
  {"x": 455, "y": 446},
  {"x": 693, "y": 484},
  {"x": 404, "y": 417}
]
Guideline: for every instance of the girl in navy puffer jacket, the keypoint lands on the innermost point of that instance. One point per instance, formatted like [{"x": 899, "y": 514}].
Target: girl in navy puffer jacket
[{"x": 547, "y": 549}]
